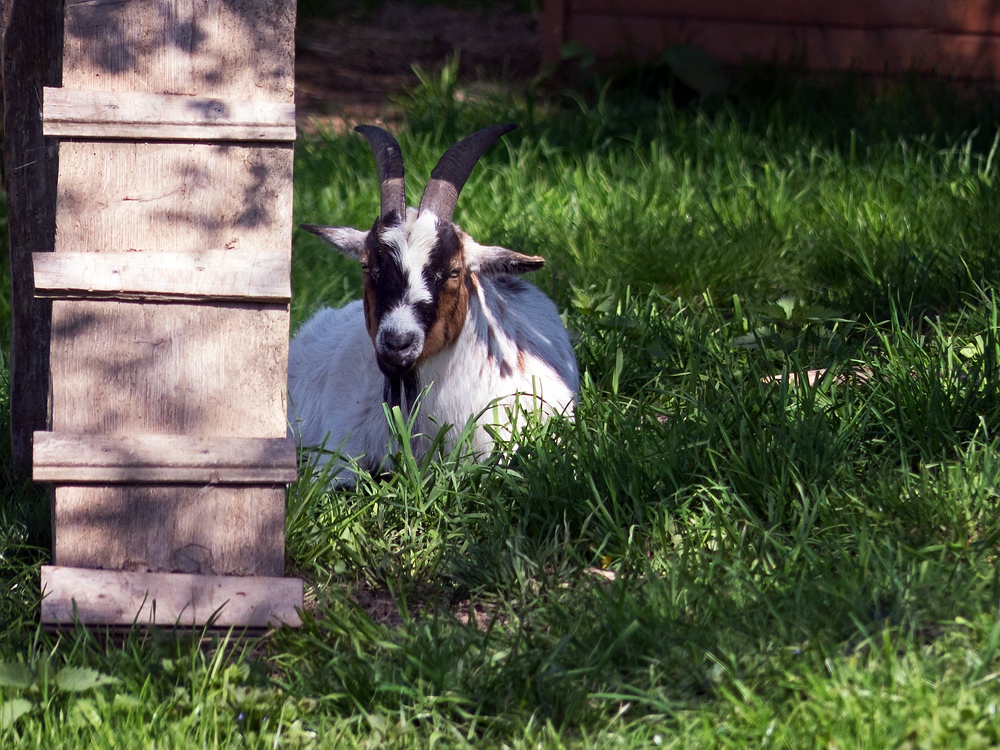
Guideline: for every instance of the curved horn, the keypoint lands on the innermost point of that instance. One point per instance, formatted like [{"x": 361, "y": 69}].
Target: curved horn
[
  {"x": 389, "y": 162},
  {"x": 453, "y": 169}
]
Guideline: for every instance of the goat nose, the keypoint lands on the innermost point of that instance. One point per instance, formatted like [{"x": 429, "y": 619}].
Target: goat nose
[{"x": 398, "y": 341}]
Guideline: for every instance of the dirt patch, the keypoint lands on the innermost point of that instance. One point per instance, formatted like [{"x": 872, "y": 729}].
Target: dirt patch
[
  {"x": 349, "y": 68},
  {"x": 380, "y": 606}
]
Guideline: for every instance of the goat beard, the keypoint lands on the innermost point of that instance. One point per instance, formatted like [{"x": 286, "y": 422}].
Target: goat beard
[{"x": 401, "y": 391}]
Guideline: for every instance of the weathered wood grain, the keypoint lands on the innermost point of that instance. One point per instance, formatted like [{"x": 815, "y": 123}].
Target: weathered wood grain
[
  {"x": 121, "y": 598},
  {"x": 122, "y": 197},
  {"x": 121, "y": 368},
  {"x": 211, "y": 275},
  {"x": 127, "y": 114},
  {"x": 81, "y": 459},
  {"x": 238, "y": 49},
  {"x": 209, "y": 529},
  {"x": 32, "y": 59}
]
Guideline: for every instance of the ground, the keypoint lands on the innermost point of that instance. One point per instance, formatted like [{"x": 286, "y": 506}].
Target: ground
[{"x": 349, "y": 67}]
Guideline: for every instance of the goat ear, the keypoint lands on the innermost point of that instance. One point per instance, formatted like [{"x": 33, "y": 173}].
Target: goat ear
[
  {"x": 347, "y": 240},
  {"x": 493, "y": 260}
]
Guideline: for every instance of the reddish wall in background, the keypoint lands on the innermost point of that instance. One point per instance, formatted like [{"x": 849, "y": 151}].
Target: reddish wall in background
[{"x": 958, "y": 38}]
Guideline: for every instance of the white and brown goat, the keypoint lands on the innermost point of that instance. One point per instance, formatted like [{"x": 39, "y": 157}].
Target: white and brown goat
[{"x": 450, "y": 320}]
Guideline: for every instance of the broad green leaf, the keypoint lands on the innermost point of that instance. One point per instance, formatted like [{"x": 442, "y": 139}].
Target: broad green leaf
[
  {"x": 788, "y": 304},
  {"x": 13, "y": 710},
  {"x": 80, "y": 679},
  {"x": 15, "y": 675}
]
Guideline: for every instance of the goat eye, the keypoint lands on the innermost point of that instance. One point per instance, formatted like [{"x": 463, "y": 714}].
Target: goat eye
[{"x": 455, "y": 273}]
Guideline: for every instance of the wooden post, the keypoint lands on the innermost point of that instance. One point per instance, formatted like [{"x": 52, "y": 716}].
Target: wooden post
[
  {"x": 32, "y": 59},
  {"x": 169, "y": 288}
]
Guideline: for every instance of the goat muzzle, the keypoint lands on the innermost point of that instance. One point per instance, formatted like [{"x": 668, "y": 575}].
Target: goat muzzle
[{"x": 397, "y": 351}]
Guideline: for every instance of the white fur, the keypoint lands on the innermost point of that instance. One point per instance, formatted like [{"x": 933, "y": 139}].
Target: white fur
[
  {"x": 464, "y": 380},
  {"x": 335, "y": 386},
  {"x": 420, "y": 242}
]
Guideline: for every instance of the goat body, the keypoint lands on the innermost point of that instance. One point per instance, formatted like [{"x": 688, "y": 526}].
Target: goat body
[{"x": 441, "y": 316}]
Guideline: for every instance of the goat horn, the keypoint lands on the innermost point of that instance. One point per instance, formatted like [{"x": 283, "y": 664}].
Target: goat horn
[
  {"x": 453, "y": 169},
  {"x": 389, "y": 162}
]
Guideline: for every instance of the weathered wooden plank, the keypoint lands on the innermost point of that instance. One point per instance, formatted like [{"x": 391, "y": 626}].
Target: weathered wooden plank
[
  {"x": 238, "y": 49},
  {"x": 817, "y": 48},
  {"x": 32, "y": 59},
  {"x": 126, "y": 114},
  {"x": 209, "y": 529},
  {"x": 121, "y": 368},
  {"x": 210, "y": 275},
  {"x": 121, "y": 598},
  {"x": 80, "y": 459},
  {"x": 174, "y": 196}
]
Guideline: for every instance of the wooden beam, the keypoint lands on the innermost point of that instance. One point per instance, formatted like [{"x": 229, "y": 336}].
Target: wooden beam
[
  {"x": 218, "y": 529},
  {"x": 108, "y": 597},
  {"x": 122, "y": 196},
  {"x": 127, "y": 114},
  {"x": 234, "y": 49},
  {"x": 208, "y": 275},
  {"x": 132, "y": 368},
  {"x": 86, "y": 459},
  {"x": 32, "y": 59}
]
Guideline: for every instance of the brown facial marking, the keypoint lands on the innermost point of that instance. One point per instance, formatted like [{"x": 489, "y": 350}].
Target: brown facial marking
[{"x": 452, "y": 308}]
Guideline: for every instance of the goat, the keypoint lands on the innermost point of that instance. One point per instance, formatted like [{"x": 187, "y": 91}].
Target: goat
[{"x": 451, "y": 322}]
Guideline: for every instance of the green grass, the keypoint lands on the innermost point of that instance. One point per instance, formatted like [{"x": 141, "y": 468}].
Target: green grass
[{"x": 708, "y": 556}]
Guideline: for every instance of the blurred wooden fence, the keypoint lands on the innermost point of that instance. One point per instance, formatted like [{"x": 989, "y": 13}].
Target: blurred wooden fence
[{"x": 956, "y": 39}]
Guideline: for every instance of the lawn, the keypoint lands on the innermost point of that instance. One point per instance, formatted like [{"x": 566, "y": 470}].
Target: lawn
[{"x": 773, "y": 522}]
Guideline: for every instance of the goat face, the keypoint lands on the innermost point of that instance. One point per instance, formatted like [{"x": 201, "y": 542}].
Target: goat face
[
  {"x": 419, "y": 268},
  {"x": 414, "y": 293}
]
